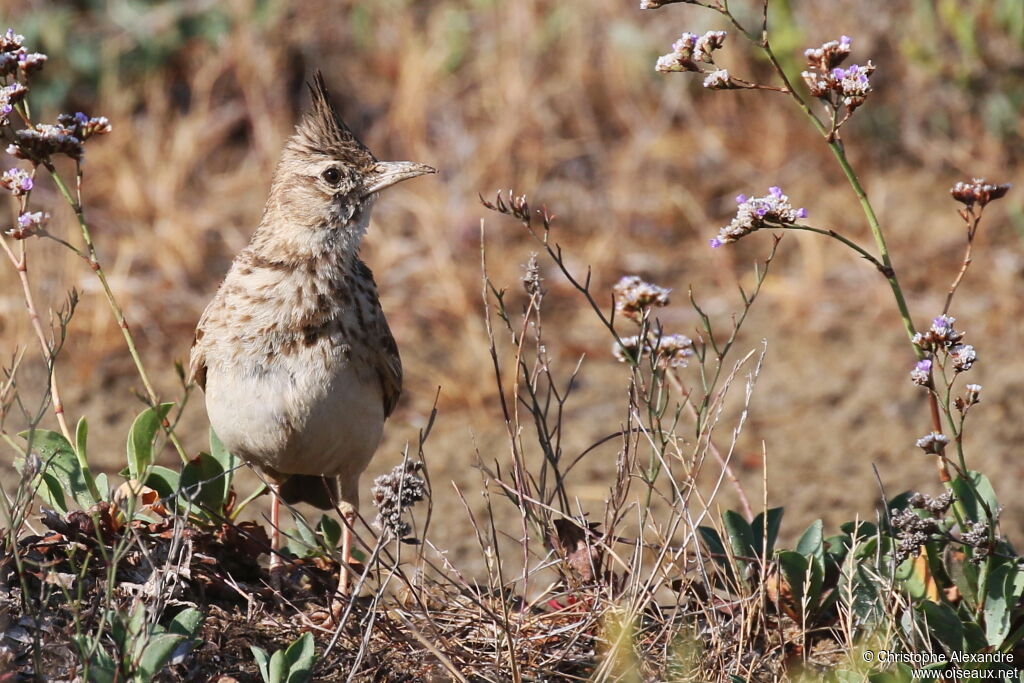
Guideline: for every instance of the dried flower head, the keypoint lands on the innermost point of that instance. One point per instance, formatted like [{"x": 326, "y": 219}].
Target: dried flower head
[
  {"x": 689, "y": 50},
  {"x": 934, "y": 443},
  {"x": 394, "y": 493},
  {"x": 912, "y": 532},
  {"x": 84, "y": 127},
  {"x": 30, "y": 62},
  {"x": 719, "y": 80},
  {"x": 669, "y": 350},
  {"x": 29, "y": 224},
  {"x": 973, "y": 393},
  {"x": 922, "y": 373},
  {"x": 827, "y": 81},
  {"x": 978, "y": 192},
  {"x": 655, "y": 4},
  {"x": 829, "y": 55},
  {"x": 754, "y": 213},
  {"x": 634, "y": 297},
  {"x": 11, "y": 41},
  {"x": 938, "y": 506},
  {"x": 531, "y": 278},
  {"x": 940, "y": 335},
  {"x": 17, "y": 180},
  {"x": 10, "y": 95},
  {"x": 963, "y": 357}
]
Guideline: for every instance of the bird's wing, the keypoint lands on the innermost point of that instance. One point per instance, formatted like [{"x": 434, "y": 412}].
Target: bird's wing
[
  {"x": 197, "y": 357},
  {"x": 384, "y": 357}
]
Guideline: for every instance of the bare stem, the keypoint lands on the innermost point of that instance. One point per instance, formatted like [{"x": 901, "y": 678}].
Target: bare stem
[
  {"x": 75, "y": 202},
  {"x": 748, "y": 511},
  {"x": 972, "y": 228},
  {"x": 20, "y": 263}
]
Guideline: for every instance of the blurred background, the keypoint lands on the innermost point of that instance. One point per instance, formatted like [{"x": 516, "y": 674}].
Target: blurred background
[{"x": 558, "y": 100}]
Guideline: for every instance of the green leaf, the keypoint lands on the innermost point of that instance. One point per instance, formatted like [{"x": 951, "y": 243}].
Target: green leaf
[
  {"x": 228, "y": 462},
  {"x": 1005, "y": 585},
  {"x": 299, "y": 659},
  {"x": 140, "y": 438},
  {"x": 81, "y": 436},
  {"x": 158, "y": 650},
  {"x": 973, "y": 494},
  {"x": 944, "y": 624},
  {"x": 203, "y": 482},
  {"x": 811, "y": 543},
  {"x": 61, "y": 471},
  {"x": 805, "y": 576},
  {"x": 330, "y": 531},
  {"x": 794, "y": 567},
  {"x": 766, "y": 529},
  {"x": 741, "y": 537},
  {"x": 102, "y": 486},
  {"x": 186, "y": 622},
  {"x": 713, "y": 541},
  {"x": 262, "y": 661},
  {"x": 278, "y": 668},
  {"x": 163, "y": 480}
]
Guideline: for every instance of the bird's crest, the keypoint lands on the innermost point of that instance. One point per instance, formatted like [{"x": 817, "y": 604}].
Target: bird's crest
[{"x": 323, "y": 132}]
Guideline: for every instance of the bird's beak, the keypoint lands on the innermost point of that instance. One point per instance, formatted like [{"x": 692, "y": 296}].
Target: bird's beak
[{"x": 387, "y": 173}]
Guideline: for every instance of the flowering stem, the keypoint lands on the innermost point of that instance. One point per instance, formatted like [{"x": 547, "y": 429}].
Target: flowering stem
[
  {"x": 836, "y": 145},
  {"x": 76, "y": 205},
  {"x": 848, "y": 242}
]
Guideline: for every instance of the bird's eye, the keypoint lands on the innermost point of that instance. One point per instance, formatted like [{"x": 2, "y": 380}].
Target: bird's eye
[{"x": 331, "y": 175}]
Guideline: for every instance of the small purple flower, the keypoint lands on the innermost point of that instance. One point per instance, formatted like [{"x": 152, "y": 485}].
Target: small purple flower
[
  {"x": 943, "y": 324},
  {"x": 922, "y": 372},
  {"x": 752, "y": 213},
  {"x": 17, "y": 180},
  {"x": 29, "y": 224},
  {"x": 715, "y": 242}
]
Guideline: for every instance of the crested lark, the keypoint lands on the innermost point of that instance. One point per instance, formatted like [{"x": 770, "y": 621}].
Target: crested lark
[{"x": 297, "y": 361}]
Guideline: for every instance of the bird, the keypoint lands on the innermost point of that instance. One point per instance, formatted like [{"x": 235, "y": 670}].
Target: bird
[{"x": 299, "y": 367}]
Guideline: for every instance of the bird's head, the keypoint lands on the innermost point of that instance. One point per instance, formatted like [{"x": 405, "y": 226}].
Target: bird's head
[{"x": 326, "y": 182}]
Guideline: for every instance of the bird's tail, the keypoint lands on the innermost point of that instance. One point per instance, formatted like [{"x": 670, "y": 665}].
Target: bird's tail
[{"x": 320, "y": 492}]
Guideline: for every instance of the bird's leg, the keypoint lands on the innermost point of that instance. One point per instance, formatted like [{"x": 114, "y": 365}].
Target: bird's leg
[
  {"x": 275, "y": 537},
  {"x": 348, "y": 519}
]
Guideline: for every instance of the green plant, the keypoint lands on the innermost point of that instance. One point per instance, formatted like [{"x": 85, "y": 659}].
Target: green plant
[
  {"x": 293, "y": 664},
  {"x": 140, "y": 648}
]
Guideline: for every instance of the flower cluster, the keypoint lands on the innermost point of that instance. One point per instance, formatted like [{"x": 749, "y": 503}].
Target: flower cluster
[
  {"x": 943, "y": 338},
  {"x": 830, "y": 82},
  {"x": 934, "y": 443},
  {"x": 978, "y": 192},
  {"x": 977, "y": 536},
  {"x": 29, "y": 223},
  {"x": 937, "y": 506},
  {"x": 668, "y": 350},
  {"x": 17, "y": 180},
  {"x": 395, "y": 492},
  {"x": 753, "y": 213},
  {"x": 64, "y": 137},
  {"x": 912, "y": 532},
  {"x": 634, "y": 297},
  {"x": 10, "y": 95},
  {"x": 690, "y": 51},
  {"x": 922, "y": 373},
  {"x": 14, "y": 57}
]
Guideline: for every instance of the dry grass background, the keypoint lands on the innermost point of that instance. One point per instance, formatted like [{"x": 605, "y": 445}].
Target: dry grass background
[{"x": 559, "y": 100}]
